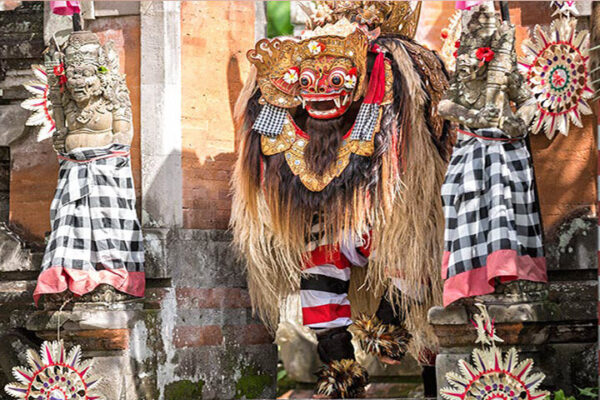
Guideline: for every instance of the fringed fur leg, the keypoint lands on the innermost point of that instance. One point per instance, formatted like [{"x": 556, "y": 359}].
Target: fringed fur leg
[
  {"x": 383, "y": 340},
  {"x": 342, "y": 379}
]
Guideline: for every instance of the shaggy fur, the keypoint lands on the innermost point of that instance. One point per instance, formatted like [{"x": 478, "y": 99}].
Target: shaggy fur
[
  {"x": 343, "y": 379},
  {"x": 395, "y": 193},
  {"x": 382, "y": 340}
]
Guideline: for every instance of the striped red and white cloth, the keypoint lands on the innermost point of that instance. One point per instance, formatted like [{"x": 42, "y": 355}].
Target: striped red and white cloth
[{"x": 324, "y": 288}]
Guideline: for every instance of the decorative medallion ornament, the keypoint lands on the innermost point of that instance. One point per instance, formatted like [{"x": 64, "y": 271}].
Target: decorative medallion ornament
[
  {"x": 555, "y": 66},
  {"x": 39, "y": 104},
  {"x": 493, "y": 375},
  {"x": 54, "y": 375}
]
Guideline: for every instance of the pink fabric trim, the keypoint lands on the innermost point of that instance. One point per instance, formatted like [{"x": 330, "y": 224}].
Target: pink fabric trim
[
  {"x": 466, "y": 5},
  {"x": 65, "y": 7},
  {"x": 58, "y": 279},
  {"x": 503, "y": 264}
]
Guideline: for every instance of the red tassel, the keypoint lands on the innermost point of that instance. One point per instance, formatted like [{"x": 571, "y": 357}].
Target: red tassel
[{"x": 376, "y": 90}]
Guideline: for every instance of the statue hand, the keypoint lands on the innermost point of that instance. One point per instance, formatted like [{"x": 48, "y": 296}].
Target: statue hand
[
  {"x": 58, "y": 140},
  {"x": 513, "y": 126},
  {"x": 487, "y": 117}
]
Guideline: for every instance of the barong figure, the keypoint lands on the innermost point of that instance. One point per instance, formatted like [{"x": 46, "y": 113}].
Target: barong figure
[
  {"x": 337, "y": 184},
  {"x": 96, "y": 236},
  {"x": 493, "y": 231}
]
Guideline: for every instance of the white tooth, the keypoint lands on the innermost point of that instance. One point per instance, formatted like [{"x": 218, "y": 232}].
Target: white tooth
[
  {"x": 346, "y": 98},
  {"x": 303, "y": 102},
  {"x": 336, "y": 100}
]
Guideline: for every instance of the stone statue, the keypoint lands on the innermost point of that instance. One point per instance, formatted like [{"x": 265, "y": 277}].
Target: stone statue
[
  {"x": 96, "y": 238},
  {"x": 493, "y": 232},
  {"x": 486, "y": 79}
]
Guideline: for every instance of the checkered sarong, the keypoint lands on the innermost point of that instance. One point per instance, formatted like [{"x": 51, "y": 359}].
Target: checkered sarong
[
  {"x": 490, "y": 208},
  {"x": 93, "y": 213}
]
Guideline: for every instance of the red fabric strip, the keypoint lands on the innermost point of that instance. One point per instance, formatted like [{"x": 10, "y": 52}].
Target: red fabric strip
[
  {"x": 327, "y": 254},
  {"x": 376, "y": 90},
  {"x": 325, "y": 313},
  {"x": 503, "y": 264},
  {"x": 508, "y": 140}
]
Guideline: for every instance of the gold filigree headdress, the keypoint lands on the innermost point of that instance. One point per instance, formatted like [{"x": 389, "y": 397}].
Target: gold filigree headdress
[
  {"x": 274, "y": 58},
  {"x": 390, "y": 17}
]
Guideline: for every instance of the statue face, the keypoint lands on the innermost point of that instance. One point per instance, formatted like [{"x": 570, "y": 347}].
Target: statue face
[
  {"x": 327, "y": 85},
  {"x": 467, "y": 68},
  {"x": 83, "y": 82}
]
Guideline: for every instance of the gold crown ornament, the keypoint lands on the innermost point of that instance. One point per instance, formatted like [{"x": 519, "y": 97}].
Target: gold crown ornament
[
  {"x": 278, "y": 61},
  {"x": 390, "y": 17}
]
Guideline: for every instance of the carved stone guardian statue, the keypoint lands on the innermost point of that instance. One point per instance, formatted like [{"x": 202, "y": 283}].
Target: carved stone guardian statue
[
  {"x": 493, "y": 231},
  {"x": 96, "y": 237}
]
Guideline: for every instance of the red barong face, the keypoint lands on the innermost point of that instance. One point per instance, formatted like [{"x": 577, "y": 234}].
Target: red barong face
[{"x": 327, "y": 86}]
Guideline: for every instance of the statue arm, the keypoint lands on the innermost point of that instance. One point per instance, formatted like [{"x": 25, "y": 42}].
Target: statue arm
[
  {"x": 122, "y": 126},
  {"x": 471, "y": 118}
]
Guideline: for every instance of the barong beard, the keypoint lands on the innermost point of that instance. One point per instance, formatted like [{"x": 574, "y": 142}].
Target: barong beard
[{"x": 292, "y": 204}]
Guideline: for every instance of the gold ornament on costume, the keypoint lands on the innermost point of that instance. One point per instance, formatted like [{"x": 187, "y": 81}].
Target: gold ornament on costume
[
  {"x": 293, "y": 146},
  {"x": 390, "y": 17},
  {"x": 276, "y": 60}
]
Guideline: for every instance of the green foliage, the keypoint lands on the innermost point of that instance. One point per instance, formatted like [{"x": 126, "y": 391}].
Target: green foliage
[
  {"x": 278, "y": 19},
  {"x": 590, "y": 393},
  {"x": 281, "y": 374},
  {"x": 252, "y": 384},
  {"x": 560, "y": 395}
]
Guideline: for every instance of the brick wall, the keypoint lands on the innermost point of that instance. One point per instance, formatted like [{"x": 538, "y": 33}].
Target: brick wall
[{"x": 215, "y": 36}]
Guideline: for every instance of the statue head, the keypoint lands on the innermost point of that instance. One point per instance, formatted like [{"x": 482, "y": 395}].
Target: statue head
[{"x": 84, "y": 62}]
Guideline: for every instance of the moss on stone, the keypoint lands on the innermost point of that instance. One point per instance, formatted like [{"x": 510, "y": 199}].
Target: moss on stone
[
  {"x": 252, "y": 384},
  {"x": 184, "y": 390}
]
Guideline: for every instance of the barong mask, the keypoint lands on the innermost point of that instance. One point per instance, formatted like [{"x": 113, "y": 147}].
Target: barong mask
[
  {"x": 320, "y": 78},
  {"x": 321, "y": 68},
  {"x": 326, "y": 86}
]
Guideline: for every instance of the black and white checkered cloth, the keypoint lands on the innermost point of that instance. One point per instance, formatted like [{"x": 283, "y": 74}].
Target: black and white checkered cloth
[
  {"x": 489, "y": 202},
  {"x": 93, "y": 214},
  {"x": 270, "y": 120},
  {"x": 366, "y": 120}
]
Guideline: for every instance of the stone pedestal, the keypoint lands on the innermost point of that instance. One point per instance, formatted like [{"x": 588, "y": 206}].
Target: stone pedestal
[
  {"x": 111, "y": 329},
  {"x": 542, "y": 321}
]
